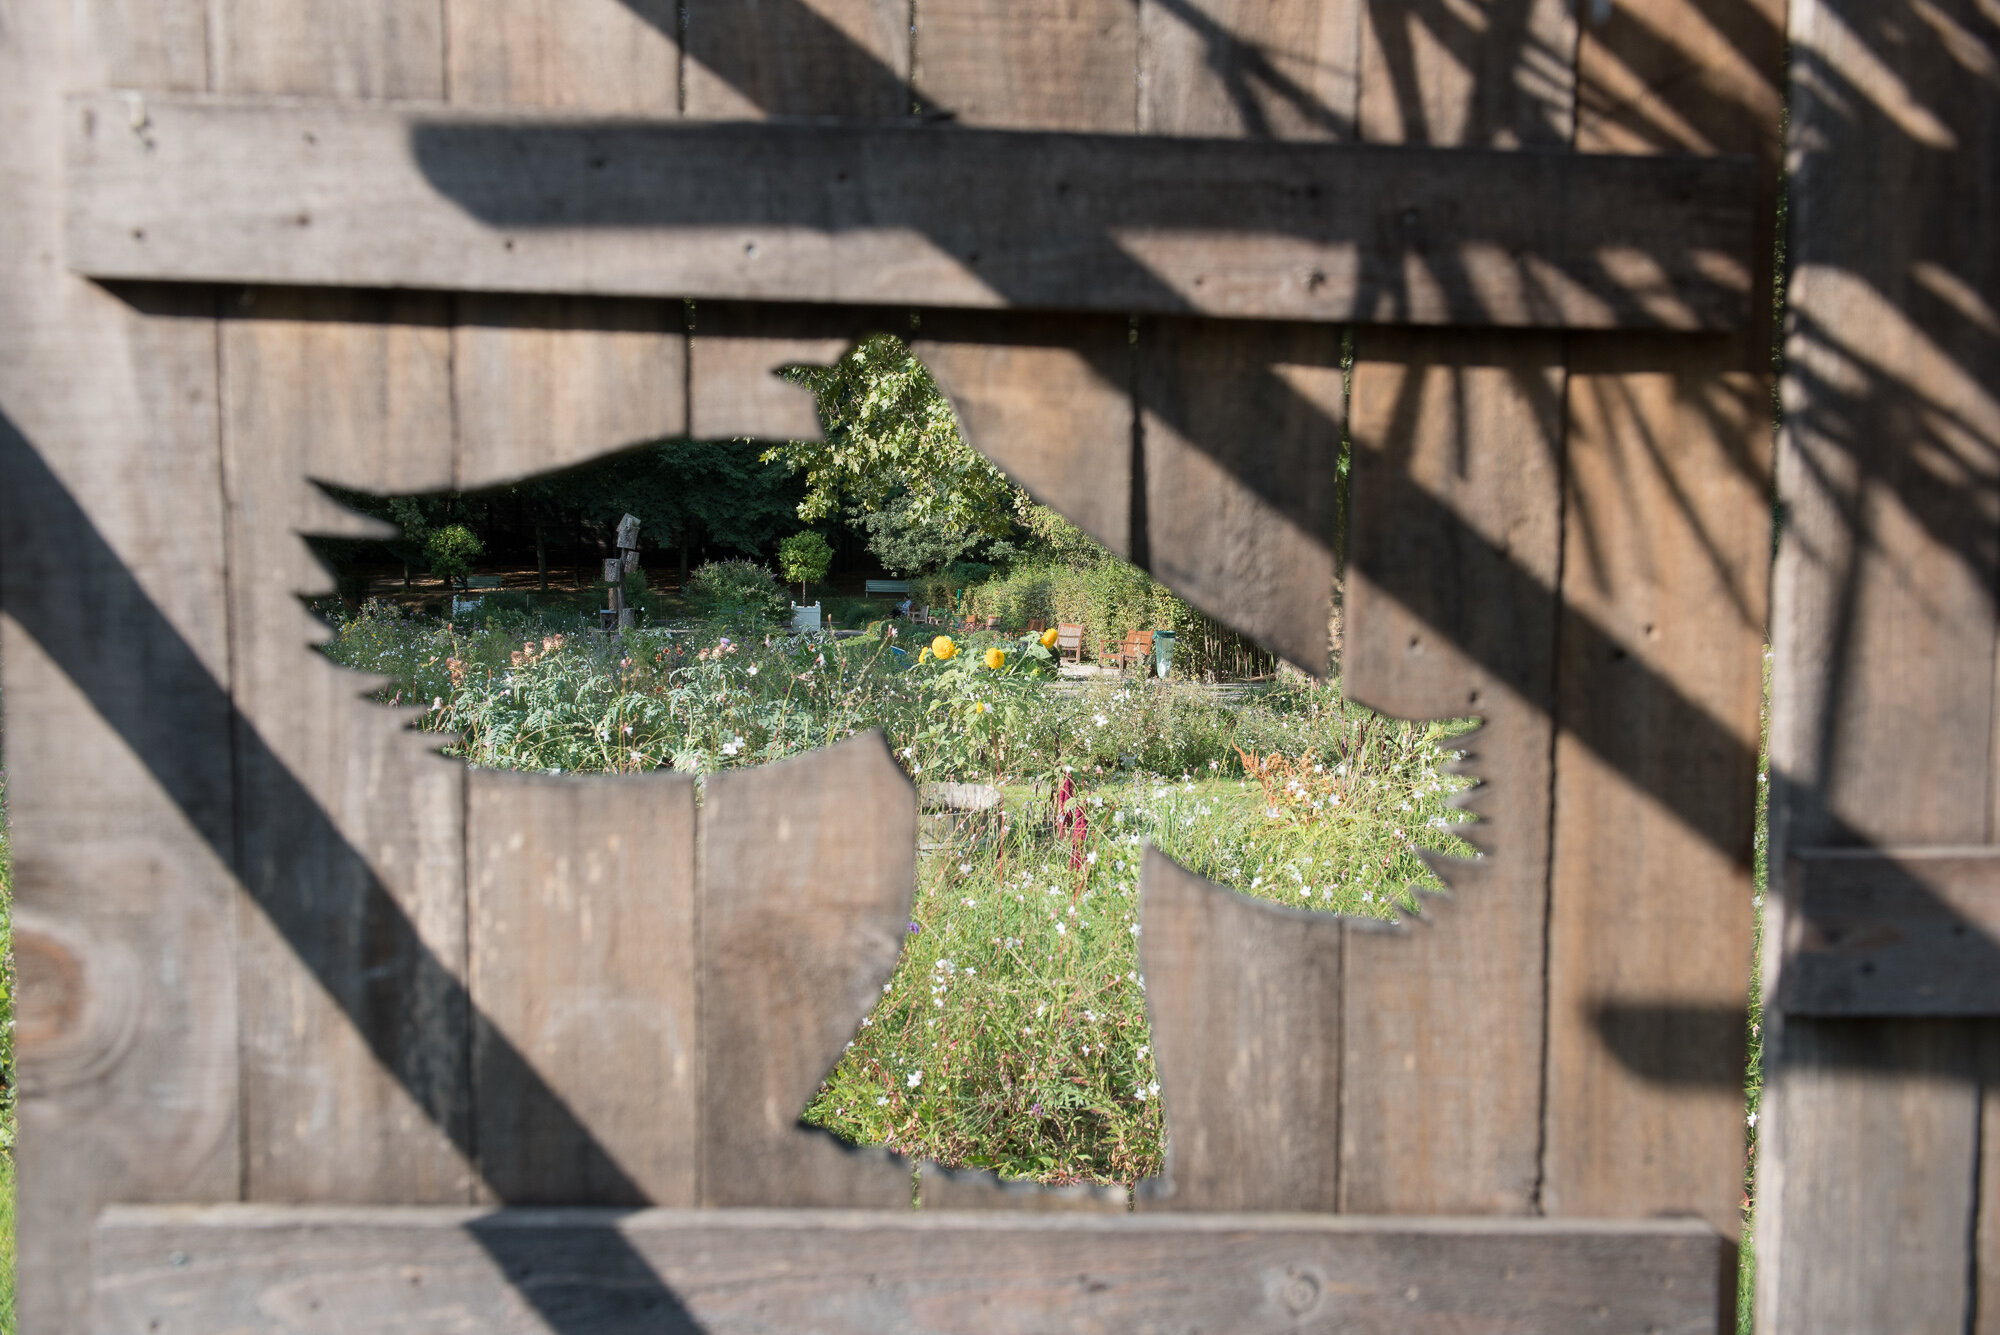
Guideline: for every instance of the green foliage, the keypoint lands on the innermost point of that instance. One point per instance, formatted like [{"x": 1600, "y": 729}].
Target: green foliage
[
  {"x": 906, "y": 545},
  {"x": 1107, "y": 598},
  {"x": 742, "y": 593},
  {"x": 1014, "y": 1033},
  {"x": 891, "y": 442},
  {"x": 805, "y": 558},
  {"x": 1053, "y": 540},
  {"x": 451, "y": 550}
]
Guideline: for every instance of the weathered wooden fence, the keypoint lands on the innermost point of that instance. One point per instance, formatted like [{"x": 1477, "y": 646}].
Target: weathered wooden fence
[{"x": 303, "y": 1004}]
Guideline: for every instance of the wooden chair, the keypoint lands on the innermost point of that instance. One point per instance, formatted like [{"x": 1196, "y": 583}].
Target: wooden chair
[
  {"x": 1069, "y": 641},
  {"x": 1137, "y": 648}
]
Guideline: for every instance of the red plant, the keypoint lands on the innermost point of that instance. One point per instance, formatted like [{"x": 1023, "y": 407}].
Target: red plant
[{"x": 1070, "y": 822}]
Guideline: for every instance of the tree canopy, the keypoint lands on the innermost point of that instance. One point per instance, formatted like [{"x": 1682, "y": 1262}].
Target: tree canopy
[{"x": 892, "y": 445}]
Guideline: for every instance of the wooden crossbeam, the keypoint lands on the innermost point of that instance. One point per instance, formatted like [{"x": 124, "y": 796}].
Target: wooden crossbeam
[
  {"x": 1872, "y": 932},
  {"x": 411, "y": 195},
  {"x": 309, "y": 1269}
]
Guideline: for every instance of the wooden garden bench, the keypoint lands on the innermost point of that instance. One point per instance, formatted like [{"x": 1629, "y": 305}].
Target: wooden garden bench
[{"x": 1137, "y": 648}]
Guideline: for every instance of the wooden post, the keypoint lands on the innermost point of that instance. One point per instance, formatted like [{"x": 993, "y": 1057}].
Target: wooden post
[
  {"x": 627, "y": 563},
  {"x": 613, "y": 616}
]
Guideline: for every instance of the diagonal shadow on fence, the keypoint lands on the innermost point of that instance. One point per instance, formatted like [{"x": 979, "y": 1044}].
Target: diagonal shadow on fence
[{"x": 57, "y": 563}]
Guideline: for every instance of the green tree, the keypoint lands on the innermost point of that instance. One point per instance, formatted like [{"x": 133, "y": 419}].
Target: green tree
[
  {"x": 452, "y": 550},
  {"x": 805, "y": 558},
  {"x": 891, "y": 447}
]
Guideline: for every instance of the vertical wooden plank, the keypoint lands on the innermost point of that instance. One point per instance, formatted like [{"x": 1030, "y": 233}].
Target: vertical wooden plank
[
  {"x": 1666, "y": 545},
  {"x": 753, "y": 58},
  {"x": 1871, "y": 1154},
  {"x": 1240, "y": 449},
  {"x": 610, "y": 56},
  {"x": 1245, "y": 1002},
  {"x": 328, "y": 48},
  {"x": 354, "y": 1038},
  {"x": 847, "y": 58},
  {"x": 1030, "y": 64},
  {"x": 1046, "y": 405},
  {"x": 1986, "y": 1260},
  {"x": 582, "y": 960},
  {"x": 144, "y": 44},
  {"x": 1252, "y": 69},
  {"x": 736, "y": 391},
  {"x": 1901, "y": 1091},
  {"x": 1050, "y": 403},
  {"x": 1666, "y": 541},
  {"x": 114, "y": 647},
  {"x": 1450, "y": 610},
  {"x": 1498, "y": 74},
  {"x": 1450, "y": 605},
  {"x": 807, "y": 872},
  {"x": 540, "y": 383}
]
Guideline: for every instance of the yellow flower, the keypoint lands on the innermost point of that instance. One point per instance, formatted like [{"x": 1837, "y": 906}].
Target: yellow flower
[
  {"x": 1049, "y": 638},
  {"x": 943, "y": 649},
  {"x": 996, "y": 659}
]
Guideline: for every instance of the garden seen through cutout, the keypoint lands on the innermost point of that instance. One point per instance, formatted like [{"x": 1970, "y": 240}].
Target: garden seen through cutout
[{"x": 1013, "y": 1036}]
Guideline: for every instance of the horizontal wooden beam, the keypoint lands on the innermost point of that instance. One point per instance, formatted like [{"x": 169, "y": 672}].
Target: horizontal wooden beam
[
  {"x": 304, "y": 1270},
  {"x": 420, "y": 196},
  {"x": 1871, "y": 932}
]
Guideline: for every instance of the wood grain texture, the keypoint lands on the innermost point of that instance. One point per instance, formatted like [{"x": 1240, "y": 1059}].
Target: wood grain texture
[
  {"x": 1049, "y": 401},
  {"x": 583, "y": 958},
  {"x": 1659, "y": 675},
  {"x": 1450, "y": 605},
  {"x": 1905, "y": 932},
  {"x": 897, "y": 214},
  {"x": 620, "y": 57},
  {"x": 143, "y": 44},
  {"x": 541, "y": 383},
  {"x": 1236, "y": 486},
  {"x": 788, "y": 58},
  {"x": 114, "y": 652},
  {"x": 1249, "y": 69},
  {"x": 1450, "y": 610},
  {"x": 1658, "y": 688},
  {"x": 355, "y": 1041},
  {"x": 753, "y": 58},
  {"x": 309, "y": 1270},
  {"x": 1861, "y": 1244},
  {"x": 1884, "y": 639},
  {"x": 1030, "y": 64},
  {"x": 967, "y": 1189},
  {"x": 803, "y": 905},
  {"x": 369, "y": 49},
  {"x": 1244, "y": 999},
  {"x": 1986, "y": 1257},
  {"x": 737, "y": 391},
  {"x": 1241, "y": 446},
  {"x": 1501, "y": 74}
]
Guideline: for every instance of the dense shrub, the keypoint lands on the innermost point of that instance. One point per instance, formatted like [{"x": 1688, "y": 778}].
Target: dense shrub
[
  {"x": 741, "y": 592},
  {"x": 451, "y": 550}
]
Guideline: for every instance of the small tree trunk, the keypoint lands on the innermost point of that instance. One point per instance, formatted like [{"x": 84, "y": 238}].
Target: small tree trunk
[{"x": 541, "y": 554}]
